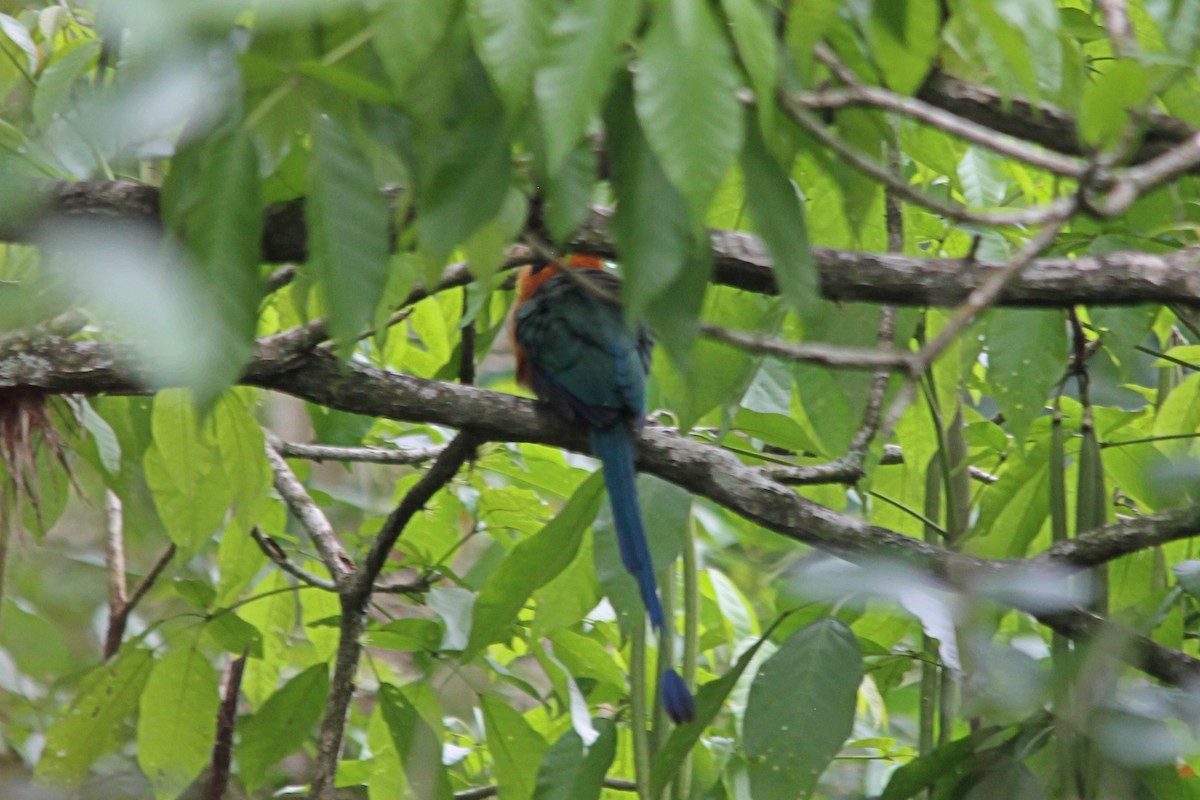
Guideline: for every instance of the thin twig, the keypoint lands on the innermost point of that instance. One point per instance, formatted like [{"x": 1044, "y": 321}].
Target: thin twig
[
  {"x": 1135, "y": 181},
  {"x": 119, "y": 617},
  {"x": 873, "y": 169},
  {"x": 367, "y": 455},
  {"x": 222, "y": 752},
  {"x": 274, "y": 552},
  {"x": 829, "y": 355},
  {"x": 312, "y": 519},
  {"x": 858, "y": 93},
  {"x": 1116, "y": 23},
  {"x": 439, "y": 474}
]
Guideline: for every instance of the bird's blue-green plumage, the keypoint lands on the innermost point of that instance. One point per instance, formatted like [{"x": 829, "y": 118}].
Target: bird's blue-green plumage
[{"x": 591, "y": 366}]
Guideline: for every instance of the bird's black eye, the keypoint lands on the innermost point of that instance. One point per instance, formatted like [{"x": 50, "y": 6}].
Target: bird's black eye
[{"x": 539, "y": 266}]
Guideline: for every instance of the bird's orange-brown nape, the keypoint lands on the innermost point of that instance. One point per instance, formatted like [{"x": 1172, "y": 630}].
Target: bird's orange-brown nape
[{"x": 529, "y": 280}]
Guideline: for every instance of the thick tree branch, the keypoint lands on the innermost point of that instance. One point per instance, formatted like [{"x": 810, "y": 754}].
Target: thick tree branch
[
  {"x": 702, "y": 469},
  {"x": 1121, "y": 278},
  {"x": 1041, "y": 123}
]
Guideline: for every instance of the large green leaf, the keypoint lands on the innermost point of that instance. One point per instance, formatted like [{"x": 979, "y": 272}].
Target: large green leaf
[
  {"x": 414, "y": 720},
  {"x": 686, "y": 100},
  {"x": 1026, "y": 356},
  {"x": 93, "y": 724},
  {"x": 571, "y": 771},
  {"x": 659, "y": 246},
  {"x": 407, "y": 32},
  {"x": 531, "y": 564},
  {"x": 348, "y": 221},
  {"x": 709, "y": 701},
  {"x": 282, "y": 725},
  {"x": 904, "y": 35},
  {"x": 801, "y": 709},
  {"x": 777, "y": 214},
  {"x": 240, "y": 443},
  {"x": 57, "y": 80},
  {"x": 190, "y": 491},
  {"x": 212, "y": 199},
  {"x": 509, "y": 36},
  {"x": 177, "y": 721},
  {"x": 469, "y": 179},
  {"x": 516, "y": 749},
  {"x": 579, "y": 64}
]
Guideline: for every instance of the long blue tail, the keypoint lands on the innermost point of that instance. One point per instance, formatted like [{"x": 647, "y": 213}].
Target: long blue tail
[
  {"x": 615, "y": 449},
  {"x": 614, "y": 446}
]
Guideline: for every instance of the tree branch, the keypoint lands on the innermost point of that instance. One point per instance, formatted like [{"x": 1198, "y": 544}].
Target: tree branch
[
  {"x": 1121, "y": 278},
  {"x": 1041, "y": 123},
  {"x": 312, "y": 519}
]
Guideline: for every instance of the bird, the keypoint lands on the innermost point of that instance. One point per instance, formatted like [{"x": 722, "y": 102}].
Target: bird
[{"x": 578, "y": 355}]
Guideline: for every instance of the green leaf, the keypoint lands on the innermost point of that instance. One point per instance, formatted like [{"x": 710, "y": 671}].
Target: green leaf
[
  {"x": 756, "y": 49},
  {"x": 58, "y": 79},
  {"x": 348, "y": 221},
  {"x": 982, "y": 177},
  {"x": 177, "y": 721},
  {"x": 349, "y": 83},
  {"x": 212, "y": 199},
  {"x": 470, "y": 180},
  {"x": 190, "y": 492},
  {"x": 407, "y": 635},
  {"x": 108, "y": 446},
  {"x": 709, "y": 700},
  {"x": 414, "y": 720},
  {"x": 580, "y": 59},
  {"x": 509, "y": 36},
  {"x": 569, "y": 192},
  {"x": 1026, "y": 356},
  {"x": 234, "y": 634},
  {"x": 241, "y": 446},
  {"x": 659, "y": 252},
  {"x": 685, "y": 95},
  {"x": 904, "y": 35},
  {"x": 1104, "y": 113},
  {"x": 407, "y": 32},
  {"x": 93, "y": 723},
  {"x": 804, "y": 30},
  {"x": 1122, "y": 330},
  {"x": 779, "y": 218},
  {"x": 515, "y": 747},
  {"x": 530, "y": 565},
  {"x": 570, "y": 771},
  {"x": 282, "y": 725},
  {"x": 945, "y": 763},
  {"x": 801, "y": 709}
]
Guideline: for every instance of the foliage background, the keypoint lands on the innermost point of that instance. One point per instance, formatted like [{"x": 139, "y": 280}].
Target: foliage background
[{"x": 1005, "y": 407}]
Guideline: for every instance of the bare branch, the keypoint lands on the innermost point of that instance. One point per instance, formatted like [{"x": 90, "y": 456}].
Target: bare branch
[
  {"x": 859, "y": 94},
  {"x": 367, "y": 455},
  {"x": 222, "y": 752},
  {"x": 1116, "y": 22},
  {"x": 829, "y": 355},
  {"x": 876, "y": 171},
  {"x": 312, "y": 519},
  {"x": 1041, "y": 123},
  {"x": 273, "y": 551}
]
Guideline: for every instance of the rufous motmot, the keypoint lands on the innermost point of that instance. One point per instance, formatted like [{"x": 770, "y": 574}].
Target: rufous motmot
[{"x": 578, "y": 355}]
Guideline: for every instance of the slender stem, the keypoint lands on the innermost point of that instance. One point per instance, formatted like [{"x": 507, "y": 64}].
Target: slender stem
[
  {"x": 637, "y": 710},
  {"x": 691, "y": 639}
]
